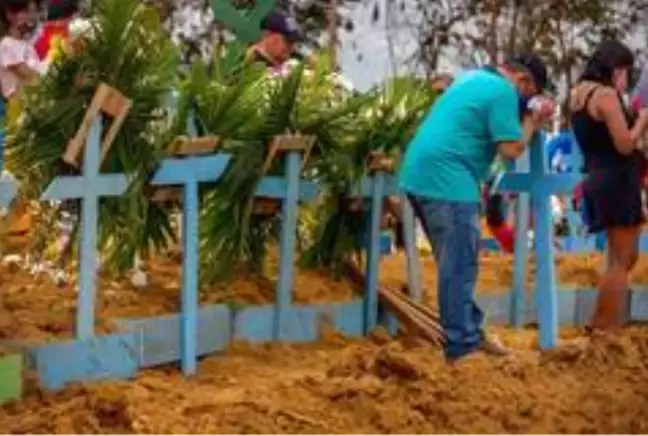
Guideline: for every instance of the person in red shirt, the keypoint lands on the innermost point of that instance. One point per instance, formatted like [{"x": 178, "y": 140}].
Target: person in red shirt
[
  {"x": 59, "y": 15},
  {"x": 498, "y": 226}
]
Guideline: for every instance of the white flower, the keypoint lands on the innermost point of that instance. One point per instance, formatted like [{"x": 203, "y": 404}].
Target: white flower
[
  {"x": 139, "y": 279},
  {"x": 79, "y": 27}
]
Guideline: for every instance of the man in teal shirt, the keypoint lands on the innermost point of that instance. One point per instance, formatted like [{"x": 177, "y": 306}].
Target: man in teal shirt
[{"x": 478, "y": 117}]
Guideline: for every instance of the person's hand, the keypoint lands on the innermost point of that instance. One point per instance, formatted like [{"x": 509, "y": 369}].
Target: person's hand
[
  {"x": 642, "y": 119},
  {"x": 542, "y": 110},
  {"x": 643, "y": 114}
]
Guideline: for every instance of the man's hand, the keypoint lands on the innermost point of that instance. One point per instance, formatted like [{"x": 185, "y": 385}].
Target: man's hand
[{"x": 542, "y": 110}]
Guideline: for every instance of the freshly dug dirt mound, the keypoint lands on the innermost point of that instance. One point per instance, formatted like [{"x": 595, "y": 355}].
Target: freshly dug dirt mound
[
  {"x": 369, "y": 386},
  {"x": 374, "y": 385},
  {"x": 35, "y": 308}
]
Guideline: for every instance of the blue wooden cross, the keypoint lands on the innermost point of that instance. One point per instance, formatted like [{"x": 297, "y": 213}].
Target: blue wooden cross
[
  {"x": 89, "y": 187},
  {"x": 377, "y": 193},
  {"x": 291, "y": 190},
  {"x": 190, "y": 172},
  {"x": 376, "y": 187},
  {"x": 541, "y": 185}
]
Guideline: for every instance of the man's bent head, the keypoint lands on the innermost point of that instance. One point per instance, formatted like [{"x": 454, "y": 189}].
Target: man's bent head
[{"x": 528, "y": 72}]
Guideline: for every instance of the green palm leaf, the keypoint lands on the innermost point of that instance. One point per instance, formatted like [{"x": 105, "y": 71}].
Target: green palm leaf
[
  {"x": 128, "y": 50},
  {"x": 385, "y": 124}
]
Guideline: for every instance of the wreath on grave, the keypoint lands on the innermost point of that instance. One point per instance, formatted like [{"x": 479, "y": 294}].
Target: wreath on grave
[
  {"x": 127, "y": 49},
  {"x": 235, "y": 101},
  {"x": 251, "y": 111}
]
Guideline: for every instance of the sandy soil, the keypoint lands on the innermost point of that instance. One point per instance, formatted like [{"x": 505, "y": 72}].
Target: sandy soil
[
  {"x": 34, "y": 308},
  {"x": 496, "y": 271},
  {"x": 371, "y": 386},
  {"x": 375, "y": 385}
]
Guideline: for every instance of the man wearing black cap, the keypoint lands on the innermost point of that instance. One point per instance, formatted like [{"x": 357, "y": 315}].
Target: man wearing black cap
[
  {"x": 477, "y": 117},
  {"x": 280, "y": 33}
]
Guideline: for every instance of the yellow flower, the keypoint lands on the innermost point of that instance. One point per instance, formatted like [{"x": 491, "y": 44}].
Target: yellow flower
[{"x": 58, "y": 47}]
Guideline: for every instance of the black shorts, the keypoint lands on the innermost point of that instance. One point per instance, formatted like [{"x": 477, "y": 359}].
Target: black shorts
[{"x": 613, "y": 199}]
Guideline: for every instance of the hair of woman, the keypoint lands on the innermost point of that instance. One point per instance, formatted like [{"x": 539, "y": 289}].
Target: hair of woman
[{"x": 609, "y": 55}]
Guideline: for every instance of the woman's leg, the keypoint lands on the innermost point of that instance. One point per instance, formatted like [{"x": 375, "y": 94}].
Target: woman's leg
[{"x": 623, "y": 244}]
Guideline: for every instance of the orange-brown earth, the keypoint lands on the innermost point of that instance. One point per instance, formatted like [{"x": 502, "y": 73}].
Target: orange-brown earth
[
  {"x": 375, "y": 385},
  {"x": 33, "y": 307}
]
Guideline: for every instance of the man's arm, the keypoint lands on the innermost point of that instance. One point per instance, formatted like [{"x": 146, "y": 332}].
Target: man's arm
[
  {"x": 504, "y": 121},
  {"x": 514, "y": 149}
]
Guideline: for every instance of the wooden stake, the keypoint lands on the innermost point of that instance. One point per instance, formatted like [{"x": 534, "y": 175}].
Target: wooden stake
[
  {"x": 411, "y": 316},
  {"x": 184, "y": 146},
  {"x": 421, "y": 318},
  {"x": 281, "y": 144},
  {"x": 187, "y": 146},
  {"x": 109, "y": 101}
]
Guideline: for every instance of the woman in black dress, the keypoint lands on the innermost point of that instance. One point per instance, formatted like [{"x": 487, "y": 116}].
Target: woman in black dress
[{"x": 608, "y": 135}]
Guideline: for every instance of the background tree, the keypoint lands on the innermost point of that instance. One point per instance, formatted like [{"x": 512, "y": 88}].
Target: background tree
[
  {"x": 191, "y": 21},
  {"x": 564, "y": 32}
]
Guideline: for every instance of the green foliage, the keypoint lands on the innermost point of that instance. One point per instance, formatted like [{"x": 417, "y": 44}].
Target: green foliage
[
  {"x": 234, "y": 99},
  {"x": 128, "y": 50},
  {"x": 386, "y": 125},
  {"x": 255, "y": 110}
]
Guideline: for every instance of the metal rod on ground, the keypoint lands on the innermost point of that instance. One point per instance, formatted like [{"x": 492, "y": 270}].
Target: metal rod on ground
[
  {"x": 419, "y": 306},
  {"x": 409, "y": 311},
  {"x": 412, "y": 317}
]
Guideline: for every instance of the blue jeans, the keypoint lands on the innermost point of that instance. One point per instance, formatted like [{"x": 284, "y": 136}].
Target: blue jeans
[{"x": 453, "y": 231}]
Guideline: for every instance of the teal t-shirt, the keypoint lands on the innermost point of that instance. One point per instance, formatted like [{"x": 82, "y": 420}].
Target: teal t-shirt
[{"x": 454, "y": 147}]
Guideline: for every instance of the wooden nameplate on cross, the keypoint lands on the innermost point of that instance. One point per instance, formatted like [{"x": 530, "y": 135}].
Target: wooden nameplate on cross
[
  {"x": 376, "y": 161},
  {"x": 380, "y": 161},
  {"x": 184, "y": 146},
  {"x": 106, "y": 100},
  {"x": 281, "y": 144}
]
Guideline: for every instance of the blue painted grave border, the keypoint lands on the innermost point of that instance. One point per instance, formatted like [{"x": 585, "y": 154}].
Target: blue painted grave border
[{"x": 575, "y": 306}]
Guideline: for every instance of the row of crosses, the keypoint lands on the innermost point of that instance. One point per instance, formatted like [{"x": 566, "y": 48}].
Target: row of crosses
[
  {"x": 196, "y": 162},
  {"x": 535, "y": 184}
]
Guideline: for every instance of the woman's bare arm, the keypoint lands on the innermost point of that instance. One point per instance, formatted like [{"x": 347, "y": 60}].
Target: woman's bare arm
[
  {"x": 26, "y": 74},
  {"x": 607, "y": 108}
]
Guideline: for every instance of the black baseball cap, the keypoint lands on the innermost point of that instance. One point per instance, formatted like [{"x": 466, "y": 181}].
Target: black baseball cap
[
  {"x": 284, "y": 24},
  {"x": 535, "y": 66}
]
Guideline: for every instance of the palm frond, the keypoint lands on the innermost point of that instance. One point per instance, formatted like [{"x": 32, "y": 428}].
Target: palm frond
[
  {"x": 385, "y": 124},
  {"x": 128, "y": 50}
]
